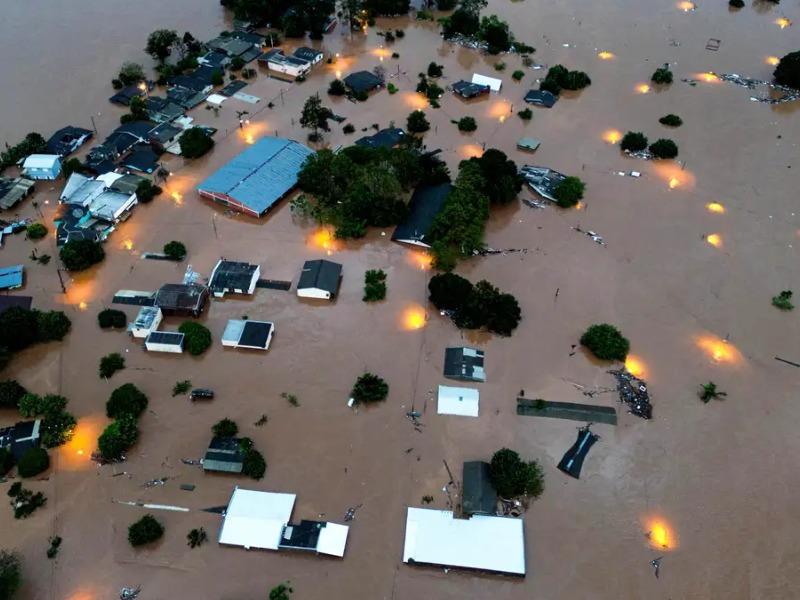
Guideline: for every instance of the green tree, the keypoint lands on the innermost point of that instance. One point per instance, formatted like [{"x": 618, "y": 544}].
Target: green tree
[
  {"x": 18, "y": 328},
  {"x": 664, "y": 148},
  {"x": 110, "y": 318},
  {"x": 671, "y": 120},
  {"x": 175, "y": 250},
  {"x": 788, "y": 70},
  {"x": 374, "y": 285},
  {"x": 33, "y": 143},
  {"x": 709, "y": 391},
  {"x": 512, "y": 477},
  {"x": 6, "y": 462},
  {"x": 369, "y": 388},
  {"x": 10, "y": 574},
  {"x": 783, "y": 300},
  {"x": 78, "y": 255},
  {"x": 496, "y": 34},
  {"x": 138, "y": 109},
  {"x": 57, "y": 428},
  {"x": 144, "y": 531},
  {"x": 417, "y": 123},
  {"x": 633, "y": 141},
  {"x": 196, "y": 537},
  {"x": 662, "y": 75},
  {"x": 33, "y": 462},
  {"x": 118, "y": 437},
  {"x": 146, "y": 191},
  {"x": 525, "y": 114},
  {"x": 254, "y": 464},
  {"x": 197, "y": 337},
  {"x": 517, "y": 75},
  {"x": 435, "y": 70},
  {"x": 73, "y": 165},
  {"x": 10, "y": 393},
  {"x": 127, "y": 399},
  {"x": 36, "y": 231},
  {"x": 225, "y": 428},
  {"x": 315, "y": 116},
  {"x": 195, "y": 142},
  {"x": 160, "y": 43},
  {"x": 569, "y": 192},
  {"x": 449, "y": 291},
  {"x": 606, "y": 342},
  {"x": 281, "y": 592},
  {"x": 217, "y": 77},
  {"x": 52, "y": 325},
  {"x": 110, "y": 364},
  {"x": 501, "y": 179},
  {"x": 467, "y": 124},
  {"x": 131, "y": 73},
  {"x": 337, "y": 88}
]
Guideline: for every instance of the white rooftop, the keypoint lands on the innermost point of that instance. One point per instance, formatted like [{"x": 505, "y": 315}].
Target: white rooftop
[
  {"x": 494, "y": 84},
  {"x": 332, "y": 539},
  {"x": 216, "y": 99},
  {"x": 256, "y": 519},
  {"x": 233, "y": 331},
  {"x": 481, "y": 542},
  {"x": 41, "y": 161},
  {"x": 459, "y": 401}
]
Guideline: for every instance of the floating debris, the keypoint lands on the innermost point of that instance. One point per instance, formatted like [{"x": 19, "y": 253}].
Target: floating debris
[
  {"x": 127, "y": 593},
  {"x": 595, "y": 237},
  {"x": 656, "y": 564},
  {"x": 488, "y": 251},
  {"x": 633, "y": 392},
  {"x": 351, "y": 512},
  {"x": 155, "y": 482},
  {"x": 533, "y": 203},
  {"x": 789, "y": 94}
]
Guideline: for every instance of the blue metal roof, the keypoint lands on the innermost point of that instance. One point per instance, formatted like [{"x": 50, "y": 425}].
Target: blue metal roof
[
  {"x": 11, "y": 277},
  {"x": 261, "y": 175}
]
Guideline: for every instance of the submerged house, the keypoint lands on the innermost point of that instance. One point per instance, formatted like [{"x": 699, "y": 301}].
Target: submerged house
[
  {"x": 541, "y": 98},
  {"x": 425, "y": 204},
  {"x": 7, "y": 302},
  {"x": 247, "y": 333},
  {"x": 385, "y": 138},
  {"x": 483, "y": 543},
  {"x": 572, "y": 461},
  {"x": 181, "y": 299},
  {"x": 14, "y": 190},
  {"x": 234, "y": 277},
  {"x": 311, "y": 55},
  {"x": 146, "y": 322},
  {"x": 463, "y": 402},
  {"x": 277, "y": 62},
  {"x": 492, "y": 83},
  {"x": 542, "y": 180},
  {"x": 164, "y": 341},
  {"x": 42, "y": 166},
  {"x": 478, "y": 496},
  {"x": 224, "y": 455},
  {"x": 97, "y": 197},
  {"x": 362, "y": 82},
  {"x": 468, "y": 90},
  {"x": 67, "y": 140},
  {"x": 259, "y": 177},
  {"x": 261, "y": 520},
  {"x": 11, "y": 278},
  {"x": 319, "y": 279},
  {"x": 464, "y": 364},
  {"x": 21, "y": 437}
]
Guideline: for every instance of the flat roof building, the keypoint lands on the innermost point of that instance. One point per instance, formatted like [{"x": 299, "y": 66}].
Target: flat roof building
[
  {"x": 224, "y": 455},
  {"x": 464, "y": 364},
  {"x": 164, "y": 341},
  {"x": 385, "y": 138},
  {"x": 362, "y": 81},
  {"x": 259, "y": 177},
  {"x": 255, "y": 335},
  {"x": 478, "y": 496},
  {"x": 493, "y": 83},
  {"x": 147, "y": 321},
  {"x": 233, "y": 276},
  {"x": 463, "y": 402},
  {"x": 319, "y": 279},
  {"x": 12, "y": 277},
  {"x": 182, "y": 299},
  {"x": 21, "y": 437},
  {"x": 425, "y": 204},
  {"x": 7, "y": 302},
  {"x": 467, "y": 89},
  {"x": 541, "y": 98},
  {"x": 67, "y": 140},
  {"x": 484, "y": 543}
]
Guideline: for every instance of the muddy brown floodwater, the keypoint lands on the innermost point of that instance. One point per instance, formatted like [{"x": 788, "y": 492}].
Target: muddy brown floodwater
[{"x": 716, "y": 483}]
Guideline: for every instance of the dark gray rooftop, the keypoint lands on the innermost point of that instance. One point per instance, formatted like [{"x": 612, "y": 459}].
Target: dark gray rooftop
[
  {"x": 320, "y": 274},
  {"x": 425, "y": 204},
  {"x": 464, "y": 364},
  {"x": 478, "y": 494}
]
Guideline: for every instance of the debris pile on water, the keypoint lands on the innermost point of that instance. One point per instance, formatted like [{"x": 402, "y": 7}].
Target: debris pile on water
[{"x": 633, "y": 392}]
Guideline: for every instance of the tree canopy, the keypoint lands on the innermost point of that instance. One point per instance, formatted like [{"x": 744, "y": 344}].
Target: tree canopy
[
  {"x": 118, "y": 437},
  {"x": 501, "y": 179},
  {"x": 788, "y": 70},
  {"x": 369, "y": 388},
  {"x": 175, "y": 250},
  {"x": 195, "y": 142},
  {"x": 145, "y": 530},
  {"x": 664, "y": 148},
  {"x": 633, "y": 141},
  {"x": 160, "y": 43},
  {"x": 197, "y": 337},
  {"x": 559, "y": 77},
  {"x": 78, "y": 255},
  {"x": 315, "y": 116},
  {"x": 475, "y": 306},
  {"x": 10, "y": 574},
  {"x": 569, "y": 192},
  {"x": 513, "y": 477},
  {"x": 33, "y": 462},
  {"x": 417, "y": 122},
  {"x": 606, "y": 342},
  {"x": 20, "y": 328},
  {"x": 127, "y": 399},
  {"x": 225, "y": 428}
]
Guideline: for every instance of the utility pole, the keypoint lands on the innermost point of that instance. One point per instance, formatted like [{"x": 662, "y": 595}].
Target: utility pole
[
  {"x": 93, "y": 124},
  {"x": 61, "y": 281}
]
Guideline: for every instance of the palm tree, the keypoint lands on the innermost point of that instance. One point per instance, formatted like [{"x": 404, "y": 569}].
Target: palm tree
[{"x": 708, "y": 391}]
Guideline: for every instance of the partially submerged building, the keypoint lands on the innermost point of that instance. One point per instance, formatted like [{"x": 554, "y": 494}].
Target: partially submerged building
[
  {"x": 181, "y": 299},
  {"x": 542, "y": 180},
  {"x": 391, "y": 137},
  {"x": 146, "y": 322},
  {"x": 468, "y": 90},
  {"x": 42, "y": 166},
  {"x": 319, "y": 279},
  {"x": 246, "y": 333},
  {"x": 224, "y": 455},
  {"x": 464, "y": 364},
  {"x": 262, "y": 520},
  {"x": 14, "y": 190},
  {"x": 478, "y": 496},
  {"x": 67, "y": 140},
  {"x": 362, "y": 82},
  {"x": 21, "y": 437},
  {"x": 259, "y": 177},
  {"x": 463, "y": 402},
  {"x": 12, "y": 277},
  {"x": 97, "y": 197},
  {"x": 528, "y": 144},
  {"x": 7, "y": 302},
  {"x": 164, "y": 341},
  {"x": 483, "y": 543},
  {"x": 234, "y": 277},
  {"x": 492, "y": 83},
  {"x": 541, "y": 98},
  {"x": 312, "y": 55},
  {"x": 290, "y": 66},
  {"x": 425, "y": 204}
]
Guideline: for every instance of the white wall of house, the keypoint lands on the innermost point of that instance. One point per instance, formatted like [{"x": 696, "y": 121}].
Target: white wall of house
[
  {"x": 314, "y": 293},
  {"x": 155, "y": 347},
  {"x": 288, "y": 69}
]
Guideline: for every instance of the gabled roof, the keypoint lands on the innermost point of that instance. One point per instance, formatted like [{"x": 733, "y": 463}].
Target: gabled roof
[
  {"x": 214, "y": 59},
  {"x": 181, "y": 296},
  {"x": 362, "y": 81},
  {"x": 12, "y": 190},
  {"x": 142, "y": 159},
  {"x": 73, "y": 222},
  {"x": 494, "y": 83},
  {"x": 232, "y": 275},
  {"x": 41, "y": 161},
  {"x": 127, "y": 184},
  {"x": 541, "y": 98},
  {"x": 425, "y": 204},
  {"x": 478, "y": 495},
  {"x": 190, "y": 82},
  {"x": 261, "y": 175},
  {"x": 11, "y": 277},
  {"x": 320, "y": 274},
  {"x": 467, "y": 89},
  {"x": 385, "y": 138},
  {"x": 125, "y": 95},
  {"x": 309, "y": 54},
  {"x": 164, "y": 133},
  {"x": 162, "y": 110},
  {"x": 68, "y": 139},
  {"x": 107, "y": 205},
  {"x": 81, "y": 189}
]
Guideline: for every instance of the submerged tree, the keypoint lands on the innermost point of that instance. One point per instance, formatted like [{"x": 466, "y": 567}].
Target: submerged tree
[
  {"x": 160, "y": 43},
  {"x": 662, "y": 75},
  {"x": 315, "y": 117},
  {"x": 709, "y": 391},
  {"x": 633, "y": 141},
  {"x": 783, "y": 300},
  {"x": 788, "y": 70},
  {"x": 606, "y": 342},
  {"x": 569, "y": 192},
  {"x": 512, "y": 477}
]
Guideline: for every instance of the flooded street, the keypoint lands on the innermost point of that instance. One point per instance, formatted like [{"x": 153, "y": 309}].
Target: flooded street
[{"x": 712, "y": 476}]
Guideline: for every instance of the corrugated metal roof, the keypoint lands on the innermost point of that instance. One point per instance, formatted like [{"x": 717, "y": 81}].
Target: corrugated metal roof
[
  {"x": 11, "y": 277},
  {"x": 261, "y": 175}
]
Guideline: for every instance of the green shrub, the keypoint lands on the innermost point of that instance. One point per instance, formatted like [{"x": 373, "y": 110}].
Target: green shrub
[
  {"x": 78, "y": 255},
  {"x": 662, "y": 76},
  {"x": 197, "y": 337},
  {"x": 111, "y": 318},
  {"x": 435, "y": 70},
  {"x": 500, "y": 66},
  {"x": 175, "y": 250},
  {"x": 127, "y": 399},
  {"x": 146, "y": 191},
  {"x": 145, "y": 530},
  {"x": 374, "y": 285},
  {"x": 369, "y": 388},
  {"x": 391, "y": 88},
  {"x": 633, "y": 141},
  {"x": 196, "y": 537},
  {"x": 33, "y": 462},
  {"x": 512, "y": 477},
  {"x": 569, "y": 192},
  {"x": 283, "y": 591},
  {"x": 348, "y": 129},
  {"x": 181, "y": 387},
  {"x": 52, "y": 325},
  {"x": 10, "y": 393},
  {"x": 417, "y": 123},
  {"x": 671, "y": 120},
  {"x": 6, "y": 461},
  {"x": 55, "y": 544},
  {"x": 337, "y": 88},
  {"x": 783, "y": 300},
  {"x": 664, "y": 148},
  {"x": 559, "y": 77},
  {"x": 254, "y": 464},
  {"x": 517, "y": 75},
  {"x": 606, "y": 342},
  {"x": 36, "y": 231},
  {"x": 25, "y": 502},
  {"x": 467, "y": 124},
  {"x": 225, "y": 428},
  {"x": 736, "y": 3},
  {"x": 195, "y": 142},
  {"x": 118, "y": 437},
  {"x": 110, "y": 364}
]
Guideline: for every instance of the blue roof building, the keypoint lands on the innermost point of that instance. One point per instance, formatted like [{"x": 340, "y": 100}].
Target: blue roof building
[
  {"x": 11, "y": 277},
  {"x": 259, "y": 177}
]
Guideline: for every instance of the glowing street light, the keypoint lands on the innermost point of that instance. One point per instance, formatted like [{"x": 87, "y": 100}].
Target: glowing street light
[
  {"x": 715, "y": 207},
  {"x": 605, "y": 55},
  {"x": 714, "y": 239},
  {"x": 643, "y": 88},
  {"x": 772, "y": 60}
]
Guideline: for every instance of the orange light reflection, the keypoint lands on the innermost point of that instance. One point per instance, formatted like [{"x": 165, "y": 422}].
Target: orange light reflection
[
  {"x": 470, "y": 151},
  {"x": 76, "y": 454},
  {"x": 718, "y": 349},
  {"x": 660, "y": 533},
  {"x": 605, "y": 55},
  {"x": 324, "y": 239},
  {"x": 643, "y": 88},
  {"x": 499, "y": 110},
  {"x": 612, "y": 136},
  {"x": 636, "y": 366},
  {"x": 672, "y": 173},
  {"x": 715, "y": 207},
  {"x": 772, "y": 60},
  {"x": 686, "y": 5},
  {"x": 783, "y": 22},
  {"x": 421, "y": 260},
  {"x": 414, "y": 100},
  {"x": 413, "y": 318},
  {"x": 714, "y": 239}
]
